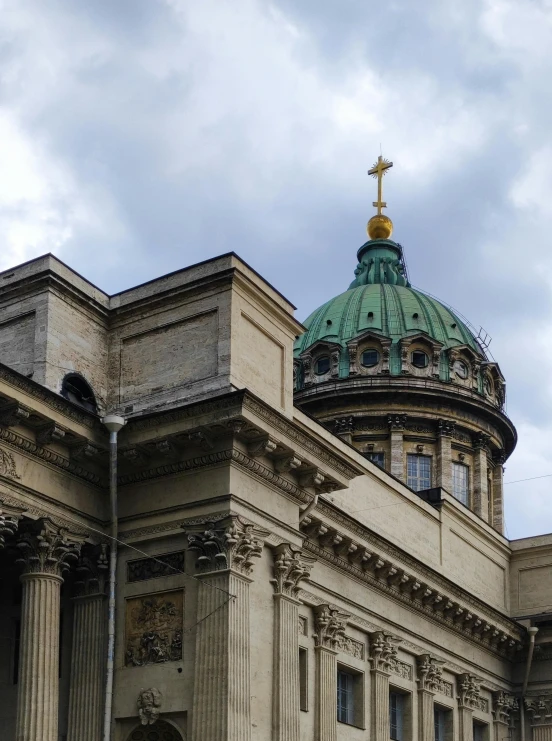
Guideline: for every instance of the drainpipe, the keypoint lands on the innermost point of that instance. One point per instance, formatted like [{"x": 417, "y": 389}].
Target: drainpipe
[
  {"x": 113, "y": 424},
  {"x": 532, "y": 633}
]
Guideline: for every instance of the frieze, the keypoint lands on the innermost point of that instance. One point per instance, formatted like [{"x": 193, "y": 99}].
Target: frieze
[
  {"x": 7, "y": 465},
  {"x": 539, "y": 708},
  {"x": 461, "y": 437},
  {"x": 174, "y": 525},
  {"x": 445, "y": 688},
  {"x": 419, "y": 428},
  {"x": 166, "y": 564},
  {"x": 401, "y": 668},
  {"x": 153, "y": 628},
  {"x": 49, "y": 456},
  {"x": 352, "y": 647},
  {"x": 43, "y": 513},
  {"x": 389, "y": 551},
  {"x": 371, "y": 426}
]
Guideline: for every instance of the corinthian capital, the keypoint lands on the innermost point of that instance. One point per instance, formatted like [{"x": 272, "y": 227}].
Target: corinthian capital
[
  {"x": 9, "y": 520},
  {"x": 383, "y": 651},
  {"x": 503, "y": 706},
  {"x": 468, "y": 691},
  {"x": 429, "y": 673},
  {"x": 91, "y": 571},
  {"x": 330, "y": 627},
  {"x": 227, "y": 544},
  {"x": 46, "y": 548},
  {"x": 291, "y": 567}
]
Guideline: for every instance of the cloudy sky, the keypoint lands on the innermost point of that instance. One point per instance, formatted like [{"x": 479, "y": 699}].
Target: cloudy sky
[{"x": 140, "y": 136}]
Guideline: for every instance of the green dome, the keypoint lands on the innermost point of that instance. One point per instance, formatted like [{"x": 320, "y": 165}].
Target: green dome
[{"x": 381, "y": 300}]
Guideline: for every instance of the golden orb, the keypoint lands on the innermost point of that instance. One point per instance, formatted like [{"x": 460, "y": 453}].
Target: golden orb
[{"x": 380, "y": 227}]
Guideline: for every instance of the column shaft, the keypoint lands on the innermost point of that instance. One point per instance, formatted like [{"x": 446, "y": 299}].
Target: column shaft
[
  {"x": 542, "y": 733},
  {"x": 87, "y": 688},
  {"x": 397, "y": 454},
  {"x": 426, "y": 724},
  {"x": 222, "y": 709},
  {"x": 37, "y": 699},
  {"x": 380, "y": 706},
  {"x": 286, "y": 669},
  {"x": 465, "y": 717},
  {"x": 444, "y": 463},
  {"x": 498, "y": 494},
  {"x": 480, "y": 491},
  {"x": 326, "y": 705}
]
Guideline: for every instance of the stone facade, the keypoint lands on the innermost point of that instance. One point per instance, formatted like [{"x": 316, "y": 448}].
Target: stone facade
[{"x": 266, "y": 567}]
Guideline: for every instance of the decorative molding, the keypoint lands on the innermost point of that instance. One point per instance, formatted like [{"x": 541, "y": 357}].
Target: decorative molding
[
  {"x": 45, "y": 548},
  {"x": 402, "y": 668},
  {"x": 213, "y": 459},
  {"x": 352, "y": 647},
  {"x": 172, "y": 525},
  {"x": 504, "y": 705},
  {"x": 445, "y": 427},
  {"x": 469, "y": 688},
  {"x": 383, "y": 651},
  {"x": 397, "y": 421},
  {"x": 485, "y": 624},
  {"x": 165, "y": 564},
  {"x": 48, "y": 456},
  {"x": 303, "y": 625},
  {"x": 40, "y": 513},
  {"x": 445, "y": 688},
  {"x": 14, "y": 414},
  {"x": 329, "y": 627},
  {"x": 291, "y": 567},
  {"x": 540, "y": 709},
  {"x": 149, "y": 706},
  {"x": 429, "y": 673},
  {"x": 10, "y": 517},
  {"x": 227, "y": 544},
  {"x": 91, "y": 571},
  {"x": 7, "y": 465}
]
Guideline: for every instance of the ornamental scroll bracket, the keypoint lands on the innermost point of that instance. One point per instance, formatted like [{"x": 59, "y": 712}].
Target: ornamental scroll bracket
[
  {"x": 329, "y": 625},
  {"x": 229, "y": 543}
]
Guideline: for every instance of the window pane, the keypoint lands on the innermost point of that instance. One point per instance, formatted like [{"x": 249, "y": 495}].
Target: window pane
[
  {"x": 396, "y": 716},
  {"x": 439, "y": 716},
  {"x": 322, "y": 365},
  {"x": 345, "y": 707},
  {"x": 369, "y": 358},
  {"x": 377, "y": 458},
  {"x": 460, "y": 482},
  {"x": 418, "y": 471}
]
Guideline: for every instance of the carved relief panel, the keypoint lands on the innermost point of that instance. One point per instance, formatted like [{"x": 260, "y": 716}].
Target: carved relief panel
[{"x": 153, "y": 628}]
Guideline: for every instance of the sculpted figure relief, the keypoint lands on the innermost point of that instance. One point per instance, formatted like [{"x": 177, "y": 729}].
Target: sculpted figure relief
[{"x": 149, "y": 703}]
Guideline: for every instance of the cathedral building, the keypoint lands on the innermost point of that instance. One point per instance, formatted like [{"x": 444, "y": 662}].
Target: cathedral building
[{"x": 220, "y": 524}]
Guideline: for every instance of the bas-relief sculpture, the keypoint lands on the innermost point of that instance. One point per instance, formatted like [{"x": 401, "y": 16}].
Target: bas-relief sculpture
[{"x": 154, "y": 626}]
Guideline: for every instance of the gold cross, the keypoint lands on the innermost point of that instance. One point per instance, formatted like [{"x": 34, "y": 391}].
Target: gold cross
[{"x": 378, "y": 171}]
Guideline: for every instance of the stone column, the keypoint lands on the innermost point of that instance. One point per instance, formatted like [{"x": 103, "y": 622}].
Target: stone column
[
  {"x": 222, "y": 695},
  {"x": 468, "y": 696},
  {"x": 504, "y": 705},
  {"x": 445, "y": 428},
  {"x": 88, "y": 653},
  {"x": 397, "y": 423},
  {"x": 429, "y": 679},
  {"x": 291, "y": 567},
  {"x": 540, "y": 711},
  {"x": 329, "y": 628},
  {"x": 498, "y": 492},
  {"x": 480, "y": 490},
  {"x": 45, "y": 552},
  {"x": 383, "y": 653}
]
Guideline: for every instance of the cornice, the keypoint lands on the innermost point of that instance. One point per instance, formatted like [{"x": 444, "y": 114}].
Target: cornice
[
  {"x": 39, "y": 512},
  {"x": 49, "y": 398},
  {"x": 47, "y": 456},
  {"x": 385, "y": 571}
]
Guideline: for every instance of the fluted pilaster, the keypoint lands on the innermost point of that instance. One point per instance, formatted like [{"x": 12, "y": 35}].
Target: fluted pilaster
[
  {"x": 383, "y": 652},
  {"x": 429, "y": 676},
  {"x": 45, "y": 551},
  {"x": 397, "y": 424},
  {"x": 468, "y": 695},
  {"x": 87, "y": 687},
  {"x": 222, "y": 692},
  {"x": 329, "y": 627},
  {"x": 444, "y": 455},
  {"x": 291, "y": 567}
]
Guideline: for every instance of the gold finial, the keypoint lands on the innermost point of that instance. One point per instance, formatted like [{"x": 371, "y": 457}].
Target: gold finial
[{"x": 380, "y": 226}]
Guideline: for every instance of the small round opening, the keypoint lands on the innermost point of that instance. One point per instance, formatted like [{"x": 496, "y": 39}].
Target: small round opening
[
  {"x": 322, "y": 365},
  {"x": 369, "y": 358},
  {"x": 415, "y": 315},
  {"x": 328, "y": 322},
  {"x": 453, "y": 325},
  {"x": 419, "y": 359},
  {"x": 370, "y": 315}
]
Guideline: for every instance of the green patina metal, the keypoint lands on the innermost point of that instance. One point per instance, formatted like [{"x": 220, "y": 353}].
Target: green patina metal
[{"x": 381, "y": 300}]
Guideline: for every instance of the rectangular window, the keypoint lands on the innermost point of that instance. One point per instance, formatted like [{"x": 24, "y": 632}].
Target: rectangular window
[
  {"x": 479, "y": 731},
  {"x": 303, "y": 679},
  {"x": 377, "y": 458},
  {"x": 345, "y": 698},
  {"x": 439, "y": 716},
  {"x": 396, "y": 716},
  {"x": 418, "y": 471},
  {"x": 461, "y": 482}
]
